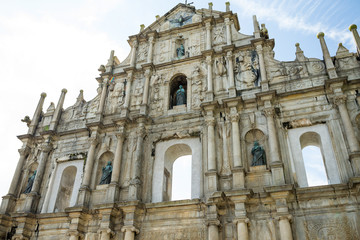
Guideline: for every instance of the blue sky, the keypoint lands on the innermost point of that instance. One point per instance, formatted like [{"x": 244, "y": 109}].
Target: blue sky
[{"x": 49, "y": 45}]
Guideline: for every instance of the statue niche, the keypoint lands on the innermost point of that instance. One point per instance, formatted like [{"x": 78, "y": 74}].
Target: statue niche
[
  {"x": 104, "y": 168},
  {"x": 256, "y": 144},
  {"x": 178, "y": 91}
]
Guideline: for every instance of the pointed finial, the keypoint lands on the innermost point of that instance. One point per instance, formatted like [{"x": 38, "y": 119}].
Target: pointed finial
[
  {"x": 142, "y": 27},
  {"x": 227, "y": 4},
  {"x": 51, "y": 108},
  {"x": 210, "y": 5},
  {"x": 299, "y": 53},
  {"x": 157, "y": 17}
]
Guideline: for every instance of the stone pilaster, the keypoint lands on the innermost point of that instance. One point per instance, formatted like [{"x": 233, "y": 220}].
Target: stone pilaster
[
  {"x": 56, "y": 117},
  {"x": 134, "y": 45},
  {"x": 130, "y": 232},
  {"x": 285, "y": 227},
  {"x": 210, "y": 89},
  {"x": 212, "y": 222},
  {"x": 232, "y": 89},
  {"x": 327, "y": 58},
  {"x": 241, "y": 219},
  {"x": 135, "y": 183},
  {"x": 76, "y": 227},
  {"x": 228, "y": 31},
  {"x": 264, "y": 82},
  {"x": 26, "y": 224},
  {"x": 106, "y": 226},
  {"x": 150, "y": 50},
  {"x": 208, "y": 28},
  {"x": 125, "y": 110},
  {"x": 144, "y": 104}
]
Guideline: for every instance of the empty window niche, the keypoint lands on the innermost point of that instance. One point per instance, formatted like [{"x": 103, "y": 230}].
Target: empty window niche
[
  {"x": 313, "y": 159},
  {"x": 177, "y": 170},
  {"x": 65, "y": 189}
]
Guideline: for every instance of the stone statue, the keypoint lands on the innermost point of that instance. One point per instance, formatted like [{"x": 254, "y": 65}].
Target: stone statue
[
  {"x": 180, "y": 96},
  {"x": 180, "y": 51},
  {"x": 30, "y": 183},
  {"x": 259, "y": 157},
  {"x": 106, "y": 174}
]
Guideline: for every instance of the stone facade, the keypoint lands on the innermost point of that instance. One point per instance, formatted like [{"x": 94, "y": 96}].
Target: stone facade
[{"x": 236, "y": 93}]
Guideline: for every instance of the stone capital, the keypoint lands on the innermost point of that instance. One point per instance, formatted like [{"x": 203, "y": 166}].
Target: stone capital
[
  {"x": 227, "y": 21},
  {"x": 241, "y": 220},
  {"x": 215, "y": 222},
  {"x": 147, "y": 73},
  {"x": 284, "y": 217},
  {"x": 46, "y": 147},
  {"x": 234, "y": 117},
  {"x": 210, "y": 121},
  {"x": 24, "y": 150},
  {"x": 269, "y": 112},
  {"x": 229, "y": 54},
  {"x": 130, "y": 229},
  {"x": 339, "y": 100},
  {"x": 209, "y": 60}
]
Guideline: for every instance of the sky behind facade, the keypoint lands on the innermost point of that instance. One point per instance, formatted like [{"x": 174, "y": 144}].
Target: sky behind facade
[{"x": 46, "y": 46}]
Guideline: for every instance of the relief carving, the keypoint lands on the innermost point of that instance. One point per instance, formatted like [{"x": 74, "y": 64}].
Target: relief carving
[
  {"x": 220, "y": 70},
  {"x": 156, "y": 98},
  {"x": 247, "y": 70},
  {"x": 185, "y": 234},
  {"x": 330, "y": 229},
  {"x": 219, "y": 35},
  {"x": 142, "y": 52},
  {"x": 116, "y": 97},
  {"x": 198, "y": 89}
]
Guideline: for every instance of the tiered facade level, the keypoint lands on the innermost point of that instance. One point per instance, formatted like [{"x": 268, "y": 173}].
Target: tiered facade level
[{"x": 235, "y": 93}]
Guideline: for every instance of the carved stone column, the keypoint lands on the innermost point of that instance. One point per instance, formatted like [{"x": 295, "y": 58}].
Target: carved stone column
[
  {"x": 146, "y": 87},
  {"x": 232, "y": 89},
  {"x": 213, "y": 230},
  {"x": 77, "y": 222},
  {"x": 285, "y": 227},
  {"x": 84, "y": 191},
  {"x": 353, "y": 29},
  {"x": 242, "y": 228},
  {"x": 327, "y": 58},
  {"x": 228, "y": 31},
  {"x": 36, "y": 118},
  {"x": 134, "y": 45},
  {"x": 135, "y": 182},
  {"x": 340, "y": 101},
  {"x": 150, "y": 51},
  {"x": 264, "y": 81},
  {"x": 275, "y": 160},
  {"x": 210, "y": 91},
  {"x": 56, "y": 117},
  {"x": 128, "y": 89},
  {"x": 210, "y": 122},
  {"x": 208, "y": 35},
  {"x": 113, "y": 189},
  {"x": 103, "y": 95},
  {"x": 24, "y": 151},
  {"x": 130, "y": 232}
]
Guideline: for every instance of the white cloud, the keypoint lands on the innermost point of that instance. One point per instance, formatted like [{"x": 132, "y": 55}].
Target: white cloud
[{"x": 300, "y": 17}]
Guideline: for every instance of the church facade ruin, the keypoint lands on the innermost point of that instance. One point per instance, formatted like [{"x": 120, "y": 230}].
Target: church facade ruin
[{"x": 194, "y": 85}]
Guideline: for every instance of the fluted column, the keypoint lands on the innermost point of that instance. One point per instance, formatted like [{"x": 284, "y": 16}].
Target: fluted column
[
  {"x": 285, "y": 227},
  {"x": 59, "y": 106},
  {"x": 146, "y": 87},
  {"x": 228, "y": 31},
  {"x": 90, "y": 160},
  {"x": 103, "y": 95},
  {"x": 264, "y": 82},
  {"x": 208, "y": 35},
  {"x": 150, "y": 51},
  {"x": 15, "y": 181},
  {"x": 242, "y": 229},
  {"x": 340, "y": 101},
  {"x": 45, "y": 149},
  {"x": 130, "y": 232},
  {"x": 37, "y": 114},
  {"x": 327, "y": 58},
  {"x": 134, "y": 46}
]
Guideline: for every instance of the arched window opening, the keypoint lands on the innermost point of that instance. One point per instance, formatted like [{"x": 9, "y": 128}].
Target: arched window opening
[
  {"x": 178, "y": 91},
  {"x": 65, "y": 189},
  {"x": 314, "y": 166},
  {"x": 313, "y": 159},
  {"x": 181, "y": 179}
]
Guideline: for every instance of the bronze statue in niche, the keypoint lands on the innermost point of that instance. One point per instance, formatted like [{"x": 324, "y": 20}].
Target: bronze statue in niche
[{"x": 259, "y": 157}]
